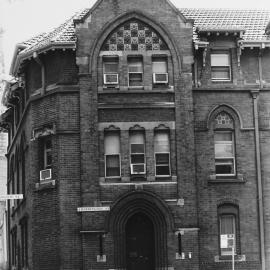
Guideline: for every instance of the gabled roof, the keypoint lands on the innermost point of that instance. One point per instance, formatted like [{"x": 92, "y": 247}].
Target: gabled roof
[{"x": 252, "y": 22}]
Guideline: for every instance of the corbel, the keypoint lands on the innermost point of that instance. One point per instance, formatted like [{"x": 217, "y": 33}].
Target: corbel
[
  {"x": 204, "y": 56},
  {"x": 38, "y": 60},
  {"x": 239, "y": 53}
]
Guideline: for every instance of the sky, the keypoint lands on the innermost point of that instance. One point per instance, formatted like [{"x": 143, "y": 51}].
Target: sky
[{"x": 23, "y": 19}]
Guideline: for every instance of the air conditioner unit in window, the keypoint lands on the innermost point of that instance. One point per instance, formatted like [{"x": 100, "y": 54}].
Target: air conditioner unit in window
[
  {"x": 45, "y": 175},
  {"x": 111, "y": 78},
  {"x": 160, "y": 77},
  {"x": 137, "y": 168}
]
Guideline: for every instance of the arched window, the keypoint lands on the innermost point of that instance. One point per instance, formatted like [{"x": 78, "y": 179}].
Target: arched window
[
  {"x": 229, "y": 232},
  {"x": 224, "y": 139}
]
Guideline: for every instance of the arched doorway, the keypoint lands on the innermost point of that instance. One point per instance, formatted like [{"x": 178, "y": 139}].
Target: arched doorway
[{"x": 140, "y": 246}]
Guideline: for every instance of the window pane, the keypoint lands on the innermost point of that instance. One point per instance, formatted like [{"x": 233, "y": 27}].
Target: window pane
[
  {"x": 110, "y": 67},
  {"x": 223, "y": 136},
  {"x": 135, "y": 79},
  {"x": 135, "y": 65},
  {"x": 223, "y": 150},
  {"x": 48, "y": 144},
  {"x": 48, "y": 159},
  {"x": 162, "y": 159},
  {"x": 137, "y": 148},
  {"x": 162, "y": 170},
  {"x": 220, "y": 60},
  {"x": 112, "y": 143},
  {"x": 224, "y": 166},
  {"x": 137, "y": 137},
  {"x": 137, "y": 159},
  {"x": 227, "y": 224},
  {"x": 159, "y": 66},
  {"x": 161, "y": 142},
  {"x": 112, "y": 165}
]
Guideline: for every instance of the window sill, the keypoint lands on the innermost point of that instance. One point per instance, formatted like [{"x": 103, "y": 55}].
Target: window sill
[
  {"x": 48, "y": 184},
  {"x": 135, "y": 90},
  {"x": 237, "y": 258},
  {"x": 226, "y": 179}
]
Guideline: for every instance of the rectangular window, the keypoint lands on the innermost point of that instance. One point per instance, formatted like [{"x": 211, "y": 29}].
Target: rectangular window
[
  {"x": 24, "y": 239},
  {"x": 162, "y": 153},
  {"x": 135, "y": 72},
  {"x": 160, "y": 70},
  {"x": 14, "y": 247},
  {"x": 224, "y": 153},
  {"x": 47, "y": 153},
  {"x": 137, "y": 153},
  {"x": 227, "y": 234},
  {"x": 112, "y": 154},
  {"x": 221, "y": 66},
  {"x": 110, "y": 70}
]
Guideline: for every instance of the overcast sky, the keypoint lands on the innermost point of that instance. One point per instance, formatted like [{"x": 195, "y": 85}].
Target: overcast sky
[{"x": 22, "y": 19}]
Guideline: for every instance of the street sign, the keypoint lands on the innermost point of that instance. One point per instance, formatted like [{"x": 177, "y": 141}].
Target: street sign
[
  {"x": 11, "y": 197},
  {"x": 93, "y": 209}
]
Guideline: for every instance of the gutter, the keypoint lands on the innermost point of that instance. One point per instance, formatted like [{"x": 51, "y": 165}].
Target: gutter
[{"x": 255, "y": 94}]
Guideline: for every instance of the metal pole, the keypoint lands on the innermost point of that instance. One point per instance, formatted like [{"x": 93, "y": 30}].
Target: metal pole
[{"x": 233, "y": 257}]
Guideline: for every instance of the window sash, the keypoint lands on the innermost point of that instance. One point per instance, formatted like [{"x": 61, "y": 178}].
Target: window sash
[
  {"x": 112, "y": 165},
  {"x": 159, "y": 66},
  {"x": 112, "y": 143},
  {"x": 162, "y": 166},
  {"x": 220, "y": 59}
]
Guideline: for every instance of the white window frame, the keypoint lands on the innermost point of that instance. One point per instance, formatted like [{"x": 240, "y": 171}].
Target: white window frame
[
  {"x": 113, "y": 154},
  {"x": 228, "y": 158},
  {"x": 222, "y": 251},
  {"x": 228, "y": 56}
]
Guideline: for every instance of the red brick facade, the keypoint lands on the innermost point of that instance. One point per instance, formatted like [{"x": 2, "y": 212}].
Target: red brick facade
[{"x": 64, "y": 101}]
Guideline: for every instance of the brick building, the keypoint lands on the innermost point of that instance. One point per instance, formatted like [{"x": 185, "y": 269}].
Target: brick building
[{"x": 139, "y": 135}]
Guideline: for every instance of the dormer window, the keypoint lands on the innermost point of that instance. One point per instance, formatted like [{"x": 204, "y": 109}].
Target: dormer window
[
  {"x": 220, "y": 66},
  {"x": 110, "y": 71}
]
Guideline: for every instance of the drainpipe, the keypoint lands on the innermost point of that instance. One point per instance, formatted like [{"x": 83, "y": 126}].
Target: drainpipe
[
  {"x": 255, "y": 95},
  {"x": 37, "y": 59}
]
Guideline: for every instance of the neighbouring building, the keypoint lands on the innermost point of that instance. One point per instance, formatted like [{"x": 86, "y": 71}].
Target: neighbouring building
[
  {"x": 139, "y": 134},
  {"x": 3, "y": 167}
]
